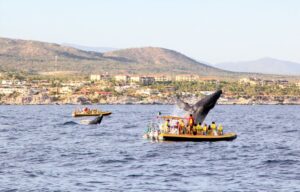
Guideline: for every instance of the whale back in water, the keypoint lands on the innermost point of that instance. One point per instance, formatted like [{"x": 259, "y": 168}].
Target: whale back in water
[
  {"x": 70, "y": 123},
  {"x": 97, "y": 120},
  {"x": 202, "y": 107}
]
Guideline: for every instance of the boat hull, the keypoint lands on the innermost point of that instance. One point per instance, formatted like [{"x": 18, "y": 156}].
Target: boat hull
[{"x": 198, "y": 138}]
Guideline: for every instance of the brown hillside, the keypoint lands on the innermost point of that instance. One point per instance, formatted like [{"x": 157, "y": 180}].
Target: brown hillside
[{"x": 40, "y": 56}]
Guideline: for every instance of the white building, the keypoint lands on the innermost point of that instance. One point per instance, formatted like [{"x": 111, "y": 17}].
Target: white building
[
  {"x": 135, "y": 79},
  {"x": 12, "y": 82},
  {"x": 186, "y": 77},
  {"x": 66, "y": 89},
  {"x": 248, "y": 81},
  {"x": 95, "y": 77},
  {"x": 163, "y": 78},
  {"x": 147, "y": 80},
  {"x": 123, "y": 78},
  {"x": 10, "y": 90}
]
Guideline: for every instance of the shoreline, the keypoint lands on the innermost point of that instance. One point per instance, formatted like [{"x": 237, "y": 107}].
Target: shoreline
[{"x": 96, "y": 104}]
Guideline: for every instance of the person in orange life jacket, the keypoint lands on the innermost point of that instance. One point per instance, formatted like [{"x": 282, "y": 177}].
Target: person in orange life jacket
[
  {"x": 85, "y": 109},
  {"x": 191, "y": 122}
]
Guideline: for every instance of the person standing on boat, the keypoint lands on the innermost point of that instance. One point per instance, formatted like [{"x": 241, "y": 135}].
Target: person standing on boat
[
  {"x": 205, "y": 129},
  {"x": 209, "y": 132},
  {"x": 199, "y": 129},
  {"x": 220, "y": 129},
  {"x": 166, "y": 126},
  {"x": 191, "y": 122},
  {"x": 181, "y": 126},
  {"x": 213, "y": 128},
  {"x": 194, "y": 132}
]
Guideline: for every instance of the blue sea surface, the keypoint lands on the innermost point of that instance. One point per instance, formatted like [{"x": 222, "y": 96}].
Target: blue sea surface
[{"x": 39, "y": 152}]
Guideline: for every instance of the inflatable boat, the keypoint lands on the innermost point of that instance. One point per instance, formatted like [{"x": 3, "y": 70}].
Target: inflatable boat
[
  {"x": 90, "y": 113},
  {"x": 184, "y": 137}
]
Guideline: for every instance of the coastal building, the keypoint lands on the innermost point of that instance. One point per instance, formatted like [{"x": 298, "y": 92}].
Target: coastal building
[
  {"x": 7, "y": 82},
  {"x": 186, "y": 77},
  {"x": 162, "y": 78},
  {"x": 66, "y": 90},
  {"x": 12, "y": 82},
  {"x": 147, "y": 80},
  {"x": 144, "y": 80},
  {"x": 98, "y": 77},
  {"x": 74, "y": 83},
  {"x": 248, "y": 81},
  {"x": 267, "y": 82},
  {"x": 282, "y": 82},
  {"x": 12, "y": 89},
  {"x": 122, "y": 78},
  {"x": 95, "y": 77},
  {"x": 135, "y": 79}
]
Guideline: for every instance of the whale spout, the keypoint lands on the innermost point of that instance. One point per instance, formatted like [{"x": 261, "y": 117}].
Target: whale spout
[{"x": 200, "y": 109}]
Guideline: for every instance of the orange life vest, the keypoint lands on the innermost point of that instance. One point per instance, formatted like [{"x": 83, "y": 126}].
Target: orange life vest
[{"x": 191, "y": 121}]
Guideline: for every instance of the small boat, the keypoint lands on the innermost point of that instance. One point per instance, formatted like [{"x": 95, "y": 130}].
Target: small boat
[
  {"x": 93, "y": 112},
  {"x": 183, "y": 137},
  {"x": 156, "y": 131}
]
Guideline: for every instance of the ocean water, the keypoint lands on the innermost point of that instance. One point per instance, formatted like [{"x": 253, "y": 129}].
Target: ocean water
[{"x": 39, "y": 152}]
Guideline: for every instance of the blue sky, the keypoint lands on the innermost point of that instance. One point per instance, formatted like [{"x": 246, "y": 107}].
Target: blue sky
[{"x": 206, "y": 30}]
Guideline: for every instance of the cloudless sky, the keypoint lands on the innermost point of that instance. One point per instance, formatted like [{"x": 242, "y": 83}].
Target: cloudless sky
[{"x": 206, "y": 30}]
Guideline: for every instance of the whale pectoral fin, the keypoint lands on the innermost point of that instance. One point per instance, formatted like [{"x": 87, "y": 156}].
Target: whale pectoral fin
[{"x": 183, "y": 105}]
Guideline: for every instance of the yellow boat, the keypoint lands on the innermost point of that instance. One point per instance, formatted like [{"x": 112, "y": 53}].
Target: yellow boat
[
  {"x": 90, "y": 113},
  {"x": 183, "y": 137},
  {"x": 166, "y": 117}
]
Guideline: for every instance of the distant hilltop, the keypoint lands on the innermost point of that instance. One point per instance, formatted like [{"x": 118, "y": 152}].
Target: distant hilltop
[
  {"x": 38, "y": 56},
  {"x": 265, "y": 65}
]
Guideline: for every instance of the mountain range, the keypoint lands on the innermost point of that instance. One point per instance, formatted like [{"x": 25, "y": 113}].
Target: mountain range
[
  {"x": 36, "y": 56},
  {"x": 265, "y": 65}
]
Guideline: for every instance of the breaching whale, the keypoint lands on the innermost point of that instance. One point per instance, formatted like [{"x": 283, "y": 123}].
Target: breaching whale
[{"x": 202, "y": 107}]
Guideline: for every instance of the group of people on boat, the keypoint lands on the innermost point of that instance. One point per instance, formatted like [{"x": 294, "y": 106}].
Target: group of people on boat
[
  {"x": 191, "y": 127},
  {"x": 88, "y": 110}
]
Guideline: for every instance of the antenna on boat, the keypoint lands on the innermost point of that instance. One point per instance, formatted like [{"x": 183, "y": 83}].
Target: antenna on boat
[{"x": 55, "y": 68}]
